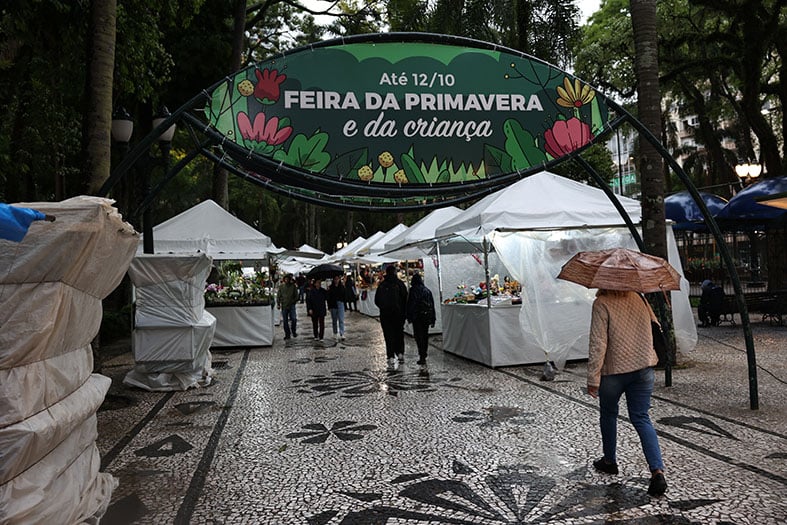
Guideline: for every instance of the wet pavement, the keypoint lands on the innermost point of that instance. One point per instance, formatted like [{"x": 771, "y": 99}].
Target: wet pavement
[{"x": 326, "y": 433}]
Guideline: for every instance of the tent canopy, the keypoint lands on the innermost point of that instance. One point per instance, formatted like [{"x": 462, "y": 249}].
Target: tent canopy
[
  {"x": 543, "y": 200},
  {"x": 208, "y": 228},
  {"x": 744, "y": 207},
  {"x": 404, "y": 244},
  {"x": 681, "y": 208}
]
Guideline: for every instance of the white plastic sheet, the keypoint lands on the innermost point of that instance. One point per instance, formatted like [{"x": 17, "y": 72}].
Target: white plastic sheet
[{"x": 556, "y": 313}]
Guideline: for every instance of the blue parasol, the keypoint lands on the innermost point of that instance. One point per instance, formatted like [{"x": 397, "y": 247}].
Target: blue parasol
[
  {"x": 14, "y": 221},
  {"x": 744, "y": 207},
  {"x": 685, "y": 213}
]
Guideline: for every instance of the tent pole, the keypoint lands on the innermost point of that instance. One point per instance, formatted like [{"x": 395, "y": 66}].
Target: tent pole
[
  {"x": 439, "y": 273},
  {"x": 486, "y": 272}
]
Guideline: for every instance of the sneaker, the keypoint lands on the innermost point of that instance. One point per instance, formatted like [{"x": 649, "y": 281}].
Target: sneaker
[
  {"x": 341, "y": 337},
  {"x": 391, "y": 361},
  {"x": 316, "y": 338},
  {"x": 602, "y": 465},
  {"x": 658, "y": 485},
  {"x": 295, "y": 334}
]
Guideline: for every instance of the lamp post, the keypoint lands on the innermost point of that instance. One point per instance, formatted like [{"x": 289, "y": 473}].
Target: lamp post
[
  {"x": 748, "y": 172},
  {"x": 122, "y": 128}
]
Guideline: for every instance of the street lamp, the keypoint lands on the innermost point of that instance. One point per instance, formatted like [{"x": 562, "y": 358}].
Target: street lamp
[
  {"x": 122, "y": 129},
  {"x": 748, "y": 172}
]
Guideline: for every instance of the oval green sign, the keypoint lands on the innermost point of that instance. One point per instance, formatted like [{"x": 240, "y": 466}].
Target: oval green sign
[{"x": 404, "y": 109}]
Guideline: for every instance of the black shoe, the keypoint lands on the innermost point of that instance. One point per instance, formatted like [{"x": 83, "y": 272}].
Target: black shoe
[
  {"x": 658, "y": 485},
  {"x": 286, "y": 337},
  {"x": 602, "y": 465},
  {"x": 294, "y": 334}
]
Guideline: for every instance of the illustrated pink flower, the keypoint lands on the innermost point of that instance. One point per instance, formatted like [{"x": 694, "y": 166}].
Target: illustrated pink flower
[
  {"x": 566, "y": 136},
  {"x": 263, "y": 131},
  {"x": 268, "y": 82}
]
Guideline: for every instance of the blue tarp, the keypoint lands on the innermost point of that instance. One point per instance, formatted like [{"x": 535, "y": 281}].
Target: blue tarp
[
  {"x": 15, "y": 221},
  {"x": 684, "y": 212}
]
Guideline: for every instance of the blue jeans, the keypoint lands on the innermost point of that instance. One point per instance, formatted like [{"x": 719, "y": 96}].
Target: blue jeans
[
  {"x": 289, "y": 320},
  {"x": 337, "y": 317},
  {"x": 638, "y": 387}
]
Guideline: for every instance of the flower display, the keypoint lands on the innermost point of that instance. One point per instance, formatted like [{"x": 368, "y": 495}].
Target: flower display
[{"x": 235, "y": 288}]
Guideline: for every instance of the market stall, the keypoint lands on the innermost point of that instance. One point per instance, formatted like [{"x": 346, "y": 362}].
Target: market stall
[
  {"x": 531, "y": 228},
  {"x": 210, "y": 229}
]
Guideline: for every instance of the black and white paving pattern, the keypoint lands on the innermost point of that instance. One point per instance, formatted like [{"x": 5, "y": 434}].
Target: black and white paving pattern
[{"x": 327, "y": 433}]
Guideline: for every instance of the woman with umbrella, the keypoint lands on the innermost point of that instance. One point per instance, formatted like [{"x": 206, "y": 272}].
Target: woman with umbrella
[{"x": 621, "y": 358}]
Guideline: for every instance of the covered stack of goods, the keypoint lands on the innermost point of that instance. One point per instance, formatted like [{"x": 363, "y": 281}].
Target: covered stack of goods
[
  {"x": 172, "y": 331},
  {"x": 51, "y": 287}
]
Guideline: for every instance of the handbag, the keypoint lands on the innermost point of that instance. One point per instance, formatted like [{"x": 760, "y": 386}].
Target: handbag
[
  {"x": 659, "y": 340},
  {"x": 659, "y": 344}
]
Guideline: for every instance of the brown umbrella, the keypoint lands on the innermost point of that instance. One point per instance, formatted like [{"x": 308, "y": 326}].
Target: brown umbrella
[{"x": 621, "y": 269}]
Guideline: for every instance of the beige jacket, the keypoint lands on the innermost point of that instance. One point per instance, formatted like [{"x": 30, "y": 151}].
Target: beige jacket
[{"x": 620, "y": 336}]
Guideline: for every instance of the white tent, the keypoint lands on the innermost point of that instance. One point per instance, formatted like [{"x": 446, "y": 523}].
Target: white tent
[
  {"x": 208, "y": 228},
  {"x": 535, "y": 226},
  {"x": 405, "y": 244},
  {"x": 543, "y": 200}
]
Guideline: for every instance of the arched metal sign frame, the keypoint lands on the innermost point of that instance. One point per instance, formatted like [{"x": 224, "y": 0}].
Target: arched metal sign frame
[{"x": 222, "y": 122}]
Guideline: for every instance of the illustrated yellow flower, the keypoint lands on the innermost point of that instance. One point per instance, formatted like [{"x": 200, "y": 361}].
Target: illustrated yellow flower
[
  {"x": 386, "y": 159},
  {"x": 574, "y": 96},
  {"x": 246, "y": 88},
  {"x": 365, "y": 173},
  {"x": 401, "y": 177}
]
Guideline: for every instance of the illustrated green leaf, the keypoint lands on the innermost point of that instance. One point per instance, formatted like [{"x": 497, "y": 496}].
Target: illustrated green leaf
[
  {"x": 498, "y": 160},
  {"x": 411, "y": 169},
  {"x": 445, "y": 176},
  {"x": 346, "y": 165},
  {"x": 521, "y": 146},
  {"x": 308, "y": 153}
]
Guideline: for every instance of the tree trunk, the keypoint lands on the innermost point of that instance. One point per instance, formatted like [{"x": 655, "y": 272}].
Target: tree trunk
[
  {"x": 97, "y": 126},
  {"x": 643, "y": 20},
  {"x": 220, "y": 176}
]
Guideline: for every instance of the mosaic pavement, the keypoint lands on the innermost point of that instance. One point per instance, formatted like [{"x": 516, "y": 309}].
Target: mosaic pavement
[{"x": 323, "y": 434}]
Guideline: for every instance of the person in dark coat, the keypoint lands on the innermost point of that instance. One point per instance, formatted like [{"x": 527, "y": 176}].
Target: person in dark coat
[
  {"x": 421, "y": 313},
  {"x": 711, "y": 302},
  {"x": 391, "y": 299},
  {"x": 336, "y": 297},
  {"x": 317, "y": 307},
  {"x": 351, "y": 300}
]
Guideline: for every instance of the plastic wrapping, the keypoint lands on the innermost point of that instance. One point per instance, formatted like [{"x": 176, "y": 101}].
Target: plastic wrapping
[
  {"x": 28, "y": 389},
  {"x": 51, "y": 287},
  {"x": 173, "y": 343},
  {"x": 43, "y": 320},
  {"x": 27, "y": 442},
  {"x": 169, "y": 288}
]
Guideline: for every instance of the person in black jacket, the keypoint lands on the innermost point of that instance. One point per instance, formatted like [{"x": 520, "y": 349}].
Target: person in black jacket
[
  {"x": 391, "y": 299},
  {"x": 336, "y": 297},
  {"x": 316, "y": 307},
  {"x": 421, "y": 313}
]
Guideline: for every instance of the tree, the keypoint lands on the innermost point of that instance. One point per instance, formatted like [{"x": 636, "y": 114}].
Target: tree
[
  {"x": 651, "y": 168},
  {"x": 98, "y": 106}
]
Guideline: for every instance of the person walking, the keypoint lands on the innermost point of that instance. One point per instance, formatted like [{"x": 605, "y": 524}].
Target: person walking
[
  {"x": 287, "y": 298},
  {"x": 302, "y": 285},
  {"x": 351, "y": 299},
  {"x": 391, "y": 299},
  {"x": 620, "y": 361},
  {"x": 336, "y": 296},
  {"x": 316, "y": 307},
  {"x": 421, "y": 313}
]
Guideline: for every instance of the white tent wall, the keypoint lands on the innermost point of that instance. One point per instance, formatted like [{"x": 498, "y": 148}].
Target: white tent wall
[{"x": 555, "y": 314}]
